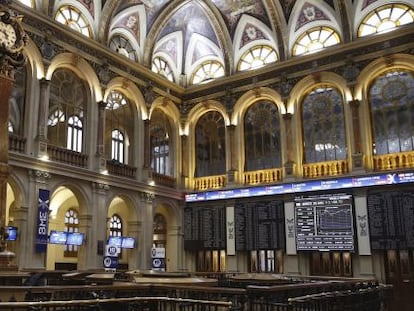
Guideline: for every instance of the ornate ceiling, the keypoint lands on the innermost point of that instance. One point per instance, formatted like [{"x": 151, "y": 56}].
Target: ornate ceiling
[{"x": 186, "y": 33}]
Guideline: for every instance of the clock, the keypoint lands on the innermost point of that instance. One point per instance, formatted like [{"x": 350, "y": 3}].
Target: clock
[{"x": 12, "y": 36}]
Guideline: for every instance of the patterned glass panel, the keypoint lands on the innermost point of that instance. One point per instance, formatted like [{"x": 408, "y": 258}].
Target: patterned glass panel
[
  {"x": 262, "y": 136},
  {"x": 210, "y": 145},
  {"x": 323, "y": 126},
  {"x": 392, "y": 109}
]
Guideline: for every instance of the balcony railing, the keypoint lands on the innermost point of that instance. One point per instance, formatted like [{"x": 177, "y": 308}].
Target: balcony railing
[
  {"x": 262, "y": 176},
  {"x": 210, "y": 182},
  {"x": 164, "y": 180},
  {"x": 67, "y": 156},
  {"x": 17, "y": 143},
  {"x": 393, "y": 161},
  {"x": 120, "y": 169},
  {"x": 323, "y": 169}
]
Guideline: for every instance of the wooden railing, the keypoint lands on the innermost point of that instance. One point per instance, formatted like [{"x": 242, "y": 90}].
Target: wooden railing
[
  {"x": 164, "y": 180},
  {"x": 210, "y": 182},
  {"x": 262, "y": 176},
  {"x": 394, "y": 161},
  {"x": 17, "y": 143},
  {"x": 323, "y": 169},
  {"x": 120, "y": 169},
  {"x": 64, "y": 155}
]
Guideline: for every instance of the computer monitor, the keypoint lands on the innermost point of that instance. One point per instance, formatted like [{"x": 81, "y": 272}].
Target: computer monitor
[
  {"x": 128, "y": 242},
  {"x": 75, "y": 238},
  {"x": 12, "y": 233},
  {"x": 58, "y": 237}
]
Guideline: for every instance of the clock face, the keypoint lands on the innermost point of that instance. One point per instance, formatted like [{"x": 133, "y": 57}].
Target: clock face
[{"x": 7, "y": 35}]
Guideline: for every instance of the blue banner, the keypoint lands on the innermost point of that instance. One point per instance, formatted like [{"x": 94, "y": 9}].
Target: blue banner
[{"x": 42, "y": 220}]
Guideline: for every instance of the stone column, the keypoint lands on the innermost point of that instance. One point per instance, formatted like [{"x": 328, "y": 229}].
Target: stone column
[
  {"x": 147, "y": 155},
  {"x": 174, "y": 248},
  {"x": 184, "y": 161},
  {"x": 100, "y": 147},
  {"x": 94, "y": 223},
  {"x": 29, "y": 257},
  {"x": 134, "y": 230},
  {"x": 289, "y": 164},
  {"x": 233, "y": 154},
  {"x": 147, "y": 221},
  {"x": 357, "y": 156},
  {"x": 43, "y": 116}
]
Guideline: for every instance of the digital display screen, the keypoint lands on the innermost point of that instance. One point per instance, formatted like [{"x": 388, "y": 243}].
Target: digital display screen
[
  {"x": 74, "y": 238},
  {"x": 128, "y": 242},
  {"x": 121, "y": 241},
  {"x": 305, "y": 186},
  {"x": 324, "y": 222},
  {"x": 58, "y": 237},
  {"x": 115, "y": 241},
  {"x": 12, "y": 232}
]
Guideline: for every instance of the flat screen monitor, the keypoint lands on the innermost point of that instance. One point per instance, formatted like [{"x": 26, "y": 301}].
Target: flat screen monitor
[
  {"x": 324, "y": 222},
  {"x": 12, "y": 233},
  {"x": 128, "y": 242},
  {"x": 115, "y": 241},
  {"x": 75, "y": 238},
  {"x": 58, "y": 237}
]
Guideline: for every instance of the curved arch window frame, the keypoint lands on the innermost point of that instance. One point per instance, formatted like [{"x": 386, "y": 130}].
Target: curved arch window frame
[
  {"x": 207, "y": 71},
  {"x": 161, "y": 67},
  {"x": 73, "y": 18},
  {"x": 121, "y": 45},
  {"x": 315, "y": 40},
  {"x": 256, "y": 57},
  {"x": 385, "y": 18}
]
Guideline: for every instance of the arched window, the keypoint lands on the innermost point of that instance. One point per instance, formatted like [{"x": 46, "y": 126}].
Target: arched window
[
  {"x": 386, "y": 18},
  {"x": 160, "y": 66},
  {"x": 117, "y": 126},
  {"x": 66, "y": 111},
  {"x": 391, "y": 98},
  {"x": 72, "y": 17},
  {"x": 210, "y": 145},
  {"x": 207, "y": 72},
  {"x": 160, "y": 148},
  {"x": 55, "y": 117},
  {"x": 118, "y": 145},
  {"x": 122, "y": 46},
  {"x": 159, "y": 231},
  {"x": 257, "y": 57},
  {"x": 10, "y": 127},
  {"x": 75, "y": 133},
  {"x": 115, "y": 225},
  {"x": 323, "y": 125},
  {"x": 262, "y": 136},
  {"x": 315, "y": 40},
  {"x": 71, "y": 225}
]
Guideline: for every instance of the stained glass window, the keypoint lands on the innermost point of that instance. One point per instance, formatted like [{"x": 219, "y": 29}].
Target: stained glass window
[
  {"x": 315, "y": 40},
  {"x": 72, "y": 17},
  {"x": 391, "y": 97},
  {"x": 207, "y": 72},
  {"x": 386, "y": 18},
  {"x": 257, "y": 57},
  {"x": 262, "y": 136},
  {"x": 323, "y": 125},
  {"x": 210, "y": 145}
]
